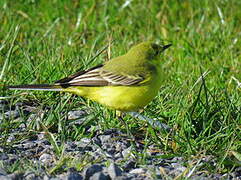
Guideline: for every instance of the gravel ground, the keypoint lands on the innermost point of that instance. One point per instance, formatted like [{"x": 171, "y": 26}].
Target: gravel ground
[{"x": 107, "y": 155}]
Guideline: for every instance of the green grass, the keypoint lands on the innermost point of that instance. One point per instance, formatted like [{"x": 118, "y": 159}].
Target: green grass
[{"x": 43, "y": 41}]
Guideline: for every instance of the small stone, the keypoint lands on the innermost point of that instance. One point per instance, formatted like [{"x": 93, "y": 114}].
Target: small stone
[
  {"x": 111, "y": 151},
  {"x": 41, "y": 136},
  {"x": 29, "y": 145},
  {"x": 46, "y": 158},
  {"x": 15, "y": 176},
  {"x": 200, "y": 177},
  {"x": 11, "y": 138},
  {"x": 11, "y": 114},
  {"x": 92, "y": 170},
  {"x": 44, "y": 143},
  {"x": 4, "y": 177},
  {"x": 2, "y": 172},
  {"x": 96, "y": 140},
  {"x": 62, "y": 177},
  {"x": 74, "y": 176},
  {"x": 104, "y": 138},
  {"x": 114, "y": 171},
  {"x": 29, "y": 175},
  {"x": 118, "y": 155},
  {"x": 12, "y": 159},
  {"x": 137, "y": 171},
  {"x": 178, "y": 167},
  {"x": 126, "y": 152},
  {"x": 125, "y": 177},
  {"x": 3, "y": 156},
  {"x": 130, "y": 164},
  {"x": 71, "y": 144},
  {"x": 46, "y": 177},
  {"x": 175, "y": 159},
  {"x": 99, "y": 176},
  {"x": 76, "y": 114},
  {"x": 83, "y": 143}
]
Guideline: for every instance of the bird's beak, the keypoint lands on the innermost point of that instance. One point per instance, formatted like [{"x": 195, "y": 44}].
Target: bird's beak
[{"x": 165, "y": 47}]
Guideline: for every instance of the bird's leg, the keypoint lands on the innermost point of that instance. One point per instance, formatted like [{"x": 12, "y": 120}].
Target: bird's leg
[
  {"x": 120, "y": 117},
  {"x": 152, "y": 122}
]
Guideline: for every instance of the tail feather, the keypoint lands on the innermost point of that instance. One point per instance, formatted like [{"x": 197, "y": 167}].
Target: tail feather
[{"x": 43, "y": 87}]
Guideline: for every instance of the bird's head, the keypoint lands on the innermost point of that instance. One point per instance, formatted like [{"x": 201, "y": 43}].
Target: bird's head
[{"x": 148, "y": 50}]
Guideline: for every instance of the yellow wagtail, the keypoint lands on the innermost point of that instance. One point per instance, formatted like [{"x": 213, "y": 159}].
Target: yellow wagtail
[{"x": 125, "y": 83}]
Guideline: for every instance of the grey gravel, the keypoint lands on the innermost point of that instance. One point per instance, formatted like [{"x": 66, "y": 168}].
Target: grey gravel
[
  {"x": 2, "y": 172},
  {"x": 29, "y": 175},
  {"x": 46, "y": 159},
  {"x": 114, "y": 171},
  {"x": 3, "y": 156},
  {"x": 107, "y": 155},
  {"x": 72, "y": 174},
  {"x": 92, "y": 170},
  {"x": 99, "y": 176},
  {"x": 5, "y": 177},
  {"x": 137, "y": 171},
  {"x": 15, "y": 176},
  {"x": 76, "y": 114}
]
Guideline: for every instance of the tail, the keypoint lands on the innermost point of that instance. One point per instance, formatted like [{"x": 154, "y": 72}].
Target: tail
[{"x": 43, "y": 87}]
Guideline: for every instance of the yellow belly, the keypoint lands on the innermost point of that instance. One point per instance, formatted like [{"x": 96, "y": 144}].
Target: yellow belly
[{"x": 122, "y": 98}]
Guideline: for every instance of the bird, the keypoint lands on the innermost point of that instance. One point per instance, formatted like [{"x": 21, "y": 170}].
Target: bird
[{"x": 125, "y": 83}]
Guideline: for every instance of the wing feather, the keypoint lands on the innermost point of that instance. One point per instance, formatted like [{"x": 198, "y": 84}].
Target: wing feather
[
  {"x": 118, "y": 79},
  {"x": 98, "y": 77}
]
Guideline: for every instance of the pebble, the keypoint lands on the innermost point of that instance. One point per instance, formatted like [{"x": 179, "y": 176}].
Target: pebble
[
  {"x": 126, "y": 152},
  {"x": 110, "y": 150},
  {"x": 3, "y": 156},
  {"x": 46, "y": 159},
  {"x": 10, "y": 115},
  {"x": 72, "y": 115},
  {"x": 2, "y": 172},
  {"x": 92, "y": 170},
  {"x": 15, "y": 176},
  {"x": 29, "y": 144},
  {"x": 5, "y": 177},
  {"x": 73, "y": 176},
  {"x": 29, "y": 175},
  {"x": 11, "y": 138},
  {"x": 99, "y": 176},
  {"x": 178, "y": 167},
  {"x": 41, "y": 136},
  {"x": 137, "y": 171},
  {"x": 114, "y": 171},
  {"x": 130, "y": 164},
  {"x": 104, "y": 138}
]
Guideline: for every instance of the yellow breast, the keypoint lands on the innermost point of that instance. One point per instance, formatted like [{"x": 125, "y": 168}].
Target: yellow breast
[{"x": 122, "y": 98}]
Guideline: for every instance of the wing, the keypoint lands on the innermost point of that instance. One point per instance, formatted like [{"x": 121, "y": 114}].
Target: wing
[
  {"x": 120, "y": 79},
  {"x": 69, "y": 78},
  {"x": 96, "y": 77}
]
